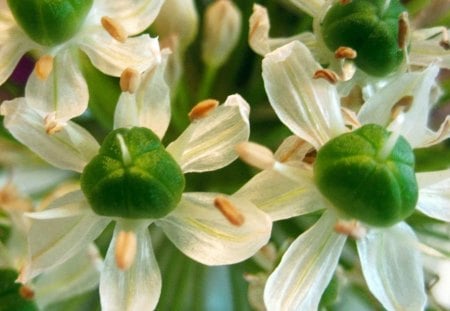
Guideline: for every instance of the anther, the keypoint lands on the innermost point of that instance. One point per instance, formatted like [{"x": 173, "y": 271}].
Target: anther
[
  {"x": 402, "y": 105},
  {"x": 114, "y": 29},
  {"x": 345, "y": 52},
  {"x": 130, "y": 80},
  {"x": 125, "y": 252},
  {"x": 351, "y": 228},
  {"x": 202, "y": 109},
  {"x": 52, "y": 126},
  {"x": 326, "y": 74},
  {"x": 445, "y": 42},
  {"x": 403, "y": 30},
  {"x": 26, "y": 292},
  {"x": 256, "y": 155},
  {"x": 44, "y": 67},
  {"x": 229, "y": 211}
]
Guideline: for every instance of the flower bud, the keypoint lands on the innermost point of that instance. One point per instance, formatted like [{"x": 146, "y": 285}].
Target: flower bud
[
  {"x": 133, "y": 176},
  {"x": 368, "y": 27},
  {"x": 50, "y": 22},
  {"x": 222, "y": 28},
  {"x": 352, "y": 175}
]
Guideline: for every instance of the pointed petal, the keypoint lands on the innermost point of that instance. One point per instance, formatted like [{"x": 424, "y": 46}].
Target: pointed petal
[
  {"x": 64, "y": 92},
  {"x": 309, "y": 108},
  {"x": 280, "y": 197},
  {"x": 138, "y": 287},
  {"x": 150, "y": 106},
  {"x": 208, "y": 143},
  {"x": 200, "y": 231},
  {"x": 71, "y": 148},
  {"x": 306, "y": 268},
  {"x": 434, "y": 199},
  {"x": 426, "y": 49},
  {"x": 427, "y": 179},
  {"x": 392, "y": 267},
  {"x": 134, "y": 15},
  {"x": 112, "y": 57},
  {"x": 439, "y": 136}
]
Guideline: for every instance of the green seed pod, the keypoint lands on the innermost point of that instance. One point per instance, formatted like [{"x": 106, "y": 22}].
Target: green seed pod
[
  {"x": 133, "y": 176},
  {"x": 350, "y": 172},
  {"x": 50, "y": 22},
  {"x": 370, "y": 29}
]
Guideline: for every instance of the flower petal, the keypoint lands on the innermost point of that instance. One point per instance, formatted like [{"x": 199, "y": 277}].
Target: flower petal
[
  {"x": 71, "y": 148},
  {"x": 392, "y": 267},
  {"x": 200, "y": 231},
  {"x": 208, "y": 143},
  {"x": 64, "y": 92},
  {"x": 310, "y": 7},
  {"x": 280, "y": 197},
  {"x": 113, "y": 57},
  {"x": 426, "y": 49},
  {"x": 440, "y": 135},
  {"x": 150, "y": 106},
  {"x": 306, "y": 268},
  {"x": 309, "y": 108},
  {"x": 138, "y": 287},
  {"x": 434, "y": 199}
]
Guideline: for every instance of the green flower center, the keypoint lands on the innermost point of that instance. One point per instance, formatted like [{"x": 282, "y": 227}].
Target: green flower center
[
  {"x": 370, "y": 28},
  {"x": 133, "y": 176},
  {"x": 50, "y": 22},
  {"x": 351, "y": 174}
]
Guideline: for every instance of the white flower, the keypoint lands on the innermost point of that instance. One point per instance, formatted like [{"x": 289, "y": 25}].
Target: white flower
[
  {"x": 195, "y": 226},
  {"x": 56, "y": 85},
  {"x": 310, "y": 109}
]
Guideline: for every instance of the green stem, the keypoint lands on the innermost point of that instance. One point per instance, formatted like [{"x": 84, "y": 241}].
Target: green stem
[{"x": 206, "y": 83}]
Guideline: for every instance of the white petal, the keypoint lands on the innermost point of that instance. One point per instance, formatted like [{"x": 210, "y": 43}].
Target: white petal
[
  {"x": 112, "y": 57},
  {"x": 54, "y": 240},
  {"x": 280, "y": 197},
  {"x": 208, "y": 143},
  {"x": 71, "y": 148},
  {"x": 426, "y": 179},
  {"x": 292, "y": 149},
  {"x": 200, "y": 231},
  {"x": 138, "y": 287},
  {"x": 417, "y": 84},
  {"x": 426, "y": 49},
  {"x": 310, "y": 7},
  {"x": 434, "y": 199},
  {"x": 392, "y": 267},
  {"x": 306, "y": 268},
  {"x": 309, "y": 108},
  {"x": 150, "y": 106},
  {"x": 439, "y": 136},
  {"x": 64, "y": 92},
  {"x": 134, "y": 15}
]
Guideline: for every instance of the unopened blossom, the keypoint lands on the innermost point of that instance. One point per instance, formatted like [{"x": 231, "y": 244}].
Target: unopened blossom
[
  {"x": 55, "y": 33},
  {"x": 211, "y": 228},
  {"x": 287, "y": 187}
]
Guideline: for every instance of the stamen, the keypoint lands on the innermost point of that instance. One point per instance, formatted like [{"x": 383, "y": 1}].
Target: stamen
[
  {"x": 445, "y": 42},
  {"x": 256, "y": 155},
  {"x": 403, "y": 30},
  {"x": 348, "y": 71},
  {"x": 26, "y": 292},
  {"x": 126, "y": 157},
  {"x": 51, "y": 125},
  {"x": 114, "y": 29},
  {"x": 326, "y": 74},
  {"x": 126, "y": 246},
  {"x": 352, "y": 228},
  {"x": 393, "y": 137},
  {"x": 202, "y": 109},
  {"x": 130, "y": 80},
  {"x": 44, "y": 67},
  {"x": 229, "y": 211},
  {"x": 402, "y": 105},
  {"x": 345, "y": 52}
]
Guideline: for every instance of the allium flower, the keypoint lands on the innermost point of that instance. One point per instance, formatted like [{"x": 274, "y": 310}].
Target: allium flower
[
  {"x": 56, "y": 31},
  {"x": 135, "y": 182},
  {"x": 290, "y": 186}
]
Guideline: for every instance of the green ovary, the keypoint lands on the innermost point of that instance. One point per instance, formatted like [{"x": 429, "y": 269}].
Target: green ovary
[
  {"x": 370, "y": 29},
  {"x": 350, "y": 173},
  {"x": 146, "y": 183},
  {"x": 50, "y": 22}
]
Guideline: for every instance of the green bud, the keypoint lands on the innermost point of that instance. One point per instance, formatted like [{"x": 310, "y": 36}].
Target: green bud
[
  {"x": 50, "y": 22},
  {"x": 133, "y": 176},
  {"x": 352, "y": 175},
  {"x": 370, "y": 29},
  {"x": 10, "y": 294}
]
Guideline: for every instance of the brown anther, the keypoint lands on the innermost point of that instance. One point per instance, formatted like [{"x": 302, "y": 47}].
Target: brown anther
[
  {"x": 310, "y": 157},
  {"x": 114, "y": 29},
  {"x": 229, "y": 211},
  {"x": 126, "y": 246},
  {"x": 51, "y": 125},
  {"x": 26, "y": 292},
  {"x": 202, "y": 109},
  {"x": 129, "y": 80},
  {"x": 44, "y": 67},
  {"x": 402, "y": 105},
  {"x": 351, "y": 228},
  {"x": 326, "y": 74},
  {"x": 445, "y": 42},
  {"x": 403, "y": 30},
  {"x": 345, "y": 52}
]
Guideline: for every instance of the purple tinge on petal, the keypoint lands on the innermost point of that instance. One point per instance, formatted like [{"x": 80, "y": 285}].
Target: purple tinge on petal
[{"x": 23, "y": 70}]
